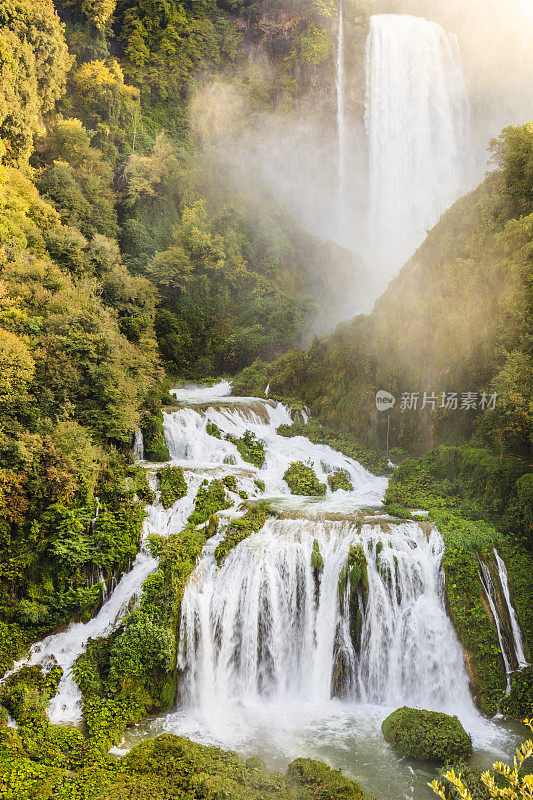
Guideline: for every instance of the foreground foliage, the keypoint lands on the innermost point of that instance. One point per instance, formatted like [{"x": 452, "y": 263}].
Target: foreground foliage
[{"x": 505, "y": 781}]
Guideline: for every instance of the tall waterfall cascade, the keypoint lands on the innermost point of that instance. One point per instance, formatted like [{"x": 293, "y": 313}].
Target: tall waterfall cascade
[
  {"x": 341, "y": 124},
  {"x": 417, "y": 121}
]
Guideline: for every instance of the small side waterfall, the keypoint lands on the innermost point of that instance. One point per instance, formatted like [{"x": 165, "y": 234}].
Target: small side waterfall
[
  {"x": 515, "y": 627},
  {"x": 257, "y": 627},
  {"x": 417, "y": 121},
  {"x": 138, "y": 445},
  {"x": 504, "y": 616},
  {"x": 341, "y": 112}
]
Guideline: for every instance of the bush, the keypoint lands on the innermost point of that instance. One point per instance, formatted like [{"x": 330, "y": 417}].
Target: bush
[
  {"x": 211, "y": 497},
  {"x": 340, "y": 479},
  {"x": 250, "y": 448},
  {"x": 172, "y": 485},
  {"x": 301, "y": 479},
  {"x": 427, "y": 735},
  {"x": 241, "y": 528}
]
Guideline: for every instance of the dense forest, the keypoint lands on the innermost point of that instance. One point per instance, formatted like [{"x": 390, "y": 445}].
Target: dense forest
[{"x": 131, "y": 259}]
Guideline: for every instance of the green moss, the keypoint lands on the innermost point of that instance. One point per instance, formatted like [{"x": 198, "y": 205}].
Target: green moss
[
  {"x": 172, "y": 485},
  {"x": 354, "y": 570},
  {"x": 427, "y": 735},
  {"x": 260, "y": 484},
  {"x": 210, "y": 499},
  {"x": 317, "y": 562},
  {"x": 133, "y": 672},
  {"x": 470, "y": 496},
  {"x": 372, "y": 460},
  {"x": 242, "y": 528},
  {"x": 250, "y": 448},
  {"x": 321, "y": 782},
  {"x": 213, "y": 430},
  {"x": 340, "y": 479},
  {"x": 471, "y": 777},
  {"x": 518, "y": 704},
  {"x": 301, "y": 479}
]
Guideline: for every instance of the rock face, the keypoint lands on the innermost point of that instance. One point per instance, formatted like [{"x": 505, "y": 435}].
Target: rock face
[{"x": 427, "y": 735}]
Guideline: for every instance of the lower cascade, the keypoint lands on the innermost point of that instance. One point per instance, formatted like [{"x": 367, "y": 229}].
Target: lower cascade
[
  {"x": 265, "y": 625},
  {"x": 303, "y": 637}
]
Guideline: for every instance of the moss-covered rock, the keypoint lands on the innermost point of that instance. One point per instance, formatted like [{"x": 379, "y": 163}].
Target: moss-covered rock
[
  {"x": 317, "y": 562},
  {"x": 241, "y": 528},
  {"x": 301, "y": 479},
  {"x": 210, "y": 498},
  {"x": 427, "y": 735},
  {"x": 518, "y": 704},
  {"x": 250, "y": 448},
  {"x": 340, "y": 479},
  {"x": 172, "y": 485}
]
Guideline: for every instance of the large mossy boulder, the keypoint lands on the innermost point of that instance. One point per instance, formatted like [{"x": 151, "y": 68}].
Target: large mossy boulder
[{"x": 427, "y": 735}]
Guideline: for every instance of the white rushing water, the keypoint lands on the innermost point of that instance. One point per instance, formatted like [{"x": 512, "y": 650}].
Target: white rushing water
[
  {"x": 341, "y": 124},
  {"x": 417, "y": 121},
  {"x": 518, "y": 643},
  {"x": 263, "y": 638},
  {"x": 257, "y": 627},
  {"x": 67, "y": 645}
]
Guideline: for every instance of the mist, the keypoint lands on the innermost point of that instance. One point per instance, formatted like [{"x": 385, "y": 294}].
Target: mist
[{"x": 293, "y": 158}]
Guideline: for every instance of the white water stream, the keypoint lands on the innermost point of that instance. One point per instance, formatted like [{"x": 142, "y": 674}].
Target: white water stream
[
  {"x": 260, "y": 637},
  {"x": 417, "y": 121}
]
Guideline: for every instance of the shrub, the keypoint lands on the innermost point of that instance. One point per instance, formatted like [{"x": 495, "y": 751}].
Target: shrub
[
  {"x": 172, "y": 485},
  {"x": 241, "y": 528},
  {"x": 302, "y": 480},
  {"x": 211, "y": 497},
  {"x": 250, "y": 448},
  {"x": 427, "y": 735},
  {"x": 340, "y": 479}
]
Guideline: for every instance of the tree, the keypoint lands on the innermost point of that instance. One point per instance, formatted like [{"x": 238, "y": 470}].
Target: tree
[
  {"x": 34, "y": 62},
  {"x": 16, "y": 370}
]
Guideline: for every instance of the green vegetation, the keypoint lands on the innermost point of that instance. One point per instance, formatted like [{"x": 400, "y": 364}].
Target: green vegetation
[
  {"x": 242, "y": 528},
  {"x": 476, "y": 501},
  {"x": 172, "y": 485},
  {"x": 133, "y": 671},
  {"x": 40, "y": 759},
  {"x": 519, "y": 702},
  {"x": 301, "y": 479},
  {"x": 317, "y": 562},
  {"x": 340, "y": 479},
  {"x": 372, "y": 460},
  {"x": 427, "y": 735},
  {"x": 210, "y": 498},
  {"x": 213, "y": 430},
  {"x": 250, "y": 448},
  {"x": 354, "y": 570}
]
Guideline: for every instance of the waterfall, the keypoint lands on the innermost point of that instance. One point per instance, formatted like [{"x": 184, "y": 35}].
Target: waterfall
[
  {"x": 138, "y": 445},
  {"x": 257, "y": 627},
  {"x": 417, "y": 122},
  {"x": 515, "y": 627},
  {"x": 339, "y": 82},
  {"x": 499, "y": 599}
]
